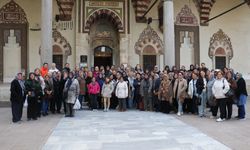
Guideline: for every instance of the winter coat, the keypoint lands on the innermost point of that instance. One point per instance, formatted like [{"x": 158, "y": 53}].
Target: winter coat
[
  {"x": 17, "y": 93},
  {"x": 241, "y": 88},
  {"x": 121, "y": 89},
  {"x": 94, "y": 88},
  {"x": 82, "y": 84},
  {"x": 181, "y": 92},
  {"x": 73, "y": 91},
  {"x": 146, "y": 87},
  {"x": 34, "y": 87},
  {"x": 210, "y": 84},
  {"x": 218, "y": 90},
  {"x": 107, "y": 89},
  {"x": 165, "y": 91}
]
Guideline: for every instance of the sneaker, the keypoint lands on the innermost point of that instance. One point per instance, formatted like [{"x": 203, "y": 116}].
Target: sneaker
[
  {"x": 104, "y": 110},
  {"x": 107, "y": 109},
  {"x": 182, "y": 113},
  {"x": 220, "y": 120},
  {"x": 178, "y": 114}
]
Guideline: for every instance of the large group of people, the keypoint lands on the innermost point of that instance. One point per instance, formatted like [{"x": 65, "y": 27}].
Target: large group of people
[{"x": 196, "y": 90}]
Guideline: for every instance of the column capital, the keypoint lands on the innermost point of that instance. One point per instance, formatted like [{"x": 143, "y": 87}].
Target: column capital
[{"x": 167, "y": 0}]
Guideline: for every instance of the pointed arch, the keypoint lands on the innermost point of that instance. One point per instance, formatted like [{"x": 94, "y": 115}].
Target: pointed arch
[
  {"x": 110, "y": 14},
  {"x": 12, "y": 13},
  {"x": 149, "y": 37}
]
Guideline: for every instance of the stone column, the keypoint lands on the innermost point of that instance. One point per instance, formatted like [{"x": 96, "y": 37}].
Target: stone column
[
  {"x": 46, "y": 40},
  {"x": 168, "y": 33}
]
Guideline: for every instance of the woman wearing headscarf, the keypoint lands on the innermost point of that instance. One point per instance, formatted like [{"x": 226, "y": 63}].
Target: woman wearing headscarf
[
  {"x": 72, "y": 89},
  {"x": 33, "y": 89},
  {"x": 17, "y": 97},
  {"x": 164, "y": 94},
  {"x": 241, "y": 94}
]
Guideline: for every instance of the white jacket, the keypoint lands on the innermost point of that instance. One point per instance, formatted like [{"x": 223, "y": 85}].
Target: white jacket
[
  {"x": 121, "y": 90},
  {"x": 218, "y": 90}
]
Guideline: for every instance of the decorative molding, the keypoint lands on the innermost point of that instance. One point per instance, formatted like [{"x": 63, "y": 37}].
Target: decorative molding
[
  {"x": 65, "y": 9},
  {"x": 186, "y": 17},
  {"x": 12, "y": 13},
  {"x": 220, "y": 40},
  {"x": 141, "y": 6},
  {"x": 149, "y": 37},
  {"x": 62, "y": 42},
  {"x": 112, "y": 15}
]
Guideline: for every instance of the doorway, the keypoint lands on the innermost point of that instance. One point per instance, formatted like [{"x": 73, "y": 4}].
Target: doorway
[
  {"x": 103, "y": 56},
  {"x": 149, "y": 61}
]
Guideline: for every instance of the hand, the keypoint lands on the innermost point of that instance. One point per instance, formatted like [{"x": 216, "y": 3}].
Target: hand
[{"x": 29, "y": 93}]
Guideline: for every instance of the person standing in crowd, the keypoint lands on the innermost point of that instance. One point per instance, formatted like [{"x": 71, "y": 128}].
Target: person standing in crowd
[
  {"x": 48, "y": 95},
  {"x": 82, "y": 84},
  {"x": 219, "y": 89},
  {"x": 100, "y": 81},
  {"x": 203, "y": 86},
  {"x": 155, "y": 91},
  {"x": 17, "y": 97},
  {"x": 107, "y": 90},
  {"x": 53, "y": 68},
  {"x": 131, "y": 88},
  {"x": 179, "y": 91},
  {"x": 137, "y": 95},
  {"x": 72, "y": 89},
  {"x": 165, "y": 94},
  {"x": 192, "y": 92},
  {"x": 210, "y": 97},
  {"x": 94, "y": 90},
  {"x": 241, "y": 94},
  {"x": 145, "y": 91},
  {"x": 121, "y": 92},
  {"x": 233, "y": 85},
  {"x": 32, "y": 87},
  {"x": 44, "y": 70},
  {"x": 66, "y": 68},
  {"x": 41, "y": 82}
]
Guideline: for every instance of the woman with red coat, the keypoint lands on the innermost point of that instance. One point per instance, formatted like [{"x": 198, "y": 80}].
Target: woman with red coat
[{"x": 93, "y": 90}]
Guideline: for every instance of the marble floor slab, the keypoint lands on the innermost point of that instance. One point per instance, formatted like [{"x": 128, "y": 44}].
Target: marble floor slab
[{"x": 131, "y": 130}]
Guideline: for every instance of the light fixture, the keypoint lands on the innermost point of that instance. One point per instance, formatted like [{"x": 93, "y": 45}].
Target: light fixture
[{"x": 103, "y": 49}]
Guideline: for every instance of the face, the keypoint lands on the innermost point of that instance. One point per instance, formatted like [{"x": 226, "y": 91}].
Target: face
[
  {"x": 67, "y": 65},
  {"x": 37, "y": 72},
  {"x": 229, "y": 75},
  {"x": 19, "y": 76},
  {"x": 238, "y": 76},
  {"x": 202, "y": 74},
  {"x": 107, "y": 80},
  {"x": 45, "y": 65},
  {"x": 180, "y": 75},
  {"x": 219, "y": 75},
  {"x": 96, "y": 68},
  {"x": 32, "y": 76},
  {"x": 194, "y": 76},
  {"x": 93, "y": 79},
  {"x": 138, "y": 76}
]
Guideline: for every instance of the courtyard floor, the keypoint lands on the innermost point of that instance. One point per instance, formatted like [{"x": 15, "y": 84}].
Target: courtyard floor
[{"x": 123, "y": 131}]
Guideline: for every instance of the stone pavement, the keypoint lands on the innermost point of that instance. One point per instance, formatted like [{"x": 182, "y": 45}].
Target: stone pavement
[{"x": 131, "y": 130}]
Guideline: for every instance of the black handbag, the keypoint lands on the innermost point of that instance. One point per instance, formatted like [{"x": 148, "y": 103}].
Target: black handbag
[
  {"x": 230, "y": 92},
  {"x": 197, "y": 100}
]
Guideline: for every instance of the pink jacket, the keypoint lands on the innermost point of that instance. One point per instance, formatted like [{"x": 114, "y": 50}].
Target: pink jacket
[{"x": 93, "y": 88}]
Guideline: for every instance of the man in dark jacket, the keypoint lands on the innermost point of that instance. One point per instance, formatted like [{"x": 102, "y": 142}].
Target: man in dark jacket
[{"x": 17, "y": 97}]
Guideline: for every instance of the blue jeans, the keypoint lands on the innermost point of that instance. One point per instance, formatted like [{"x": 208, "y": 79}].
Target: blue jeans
[
  {"x": 241, "y": 106},
  {"x": 81, "y": 99},
  {"x": 45, "y": 105},
  {"x": 202, "y": 107},
  {"x": 180, "y": 109}
]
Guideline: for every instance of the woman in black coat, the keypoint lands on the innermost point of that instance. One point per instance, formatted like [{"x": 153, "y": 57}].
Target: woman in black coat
[{"x": 17, "y": 97}]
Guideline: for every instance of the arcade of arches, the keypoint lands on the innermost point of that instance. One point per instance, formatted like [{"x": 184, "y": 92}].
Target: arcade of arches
[{"x": 110, "y": 32}]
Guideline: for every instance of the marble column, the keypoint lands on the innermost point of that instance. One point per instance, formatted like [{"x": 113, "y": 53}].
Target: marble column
[
  {"x": 46, "y": 40},
  {"x": 168, "y": 32}
]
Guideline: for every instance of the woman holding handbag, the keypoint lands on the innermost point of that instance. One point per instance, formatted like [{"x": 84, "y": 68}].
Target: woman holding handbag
[
  {"x": 233, "y": 86},
  {"x": 72, "y": 89},
  {"x": 219, "y": 89}
]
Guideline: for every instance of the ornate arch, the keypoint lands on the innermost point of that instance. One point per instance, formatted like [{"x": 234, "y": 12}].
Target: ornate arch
[
  {"x": 149, "y": 37},
  {"x": 101, "y": 13},
  {"x": 61, "y": 42},
  {"x": 12, "y": 13},
  {"x": 218, "y": 41}
]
